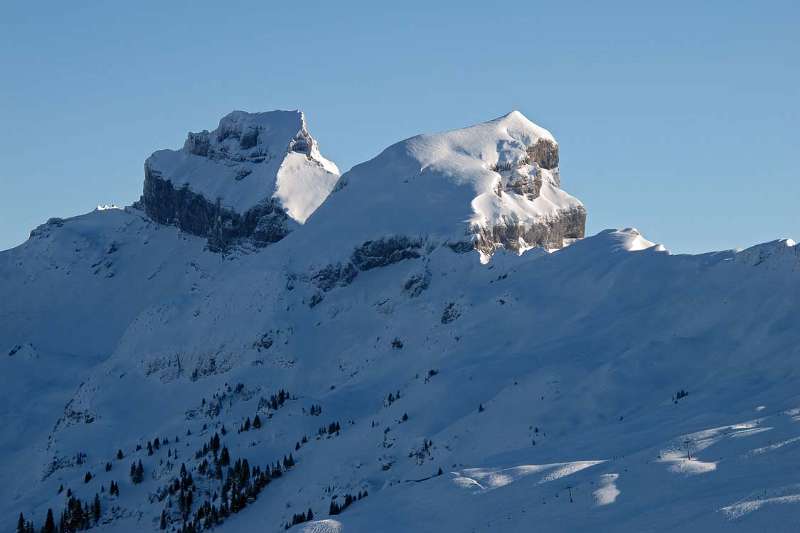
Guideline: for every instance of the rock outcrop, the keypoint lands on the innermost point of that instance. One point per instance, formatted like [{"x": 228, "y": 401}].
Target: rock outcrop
[
  {"x": 538, "y": 169},
  {"x": 193, "y": 213},
  {"x": 550, "y": 232}
]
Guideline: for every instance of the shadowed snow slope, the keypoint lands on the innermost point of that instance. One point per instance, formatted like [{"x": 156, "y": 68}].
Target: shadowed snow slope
[{"x": 606, "y": 386}]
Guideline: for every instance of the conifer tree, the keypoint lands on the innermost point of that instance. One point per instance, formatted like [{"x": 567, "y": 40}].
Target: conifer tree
[
  {"x": 137, "y": 472},
  {"x": 245, "y": 472},
  {"x": 49, "y": 523},
  {"x": 96, "y": 508},
  {"x": 225, "y": 457}
]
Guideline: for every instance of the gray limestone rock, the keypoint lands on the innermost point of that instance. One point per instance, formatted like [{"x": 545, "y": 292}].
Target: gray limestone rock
[
  {"x": 544, "y": 153},
  {"x": 266, "y": 223},
  {"x": 549, "y": 233}
]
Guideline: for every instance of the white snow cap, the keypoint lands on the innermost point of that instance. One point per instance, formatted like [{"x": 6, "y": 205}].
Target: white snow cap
[
  {"x": 250, "y": 158},
  {"x": 476, "y": 155}
]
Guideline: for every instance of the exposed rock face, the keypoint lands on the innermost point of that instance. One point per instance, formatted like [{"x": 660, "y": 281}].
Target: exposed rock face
[
  {"x": 255, "y": 177},
  {"x": 331, "y": 276},
  {"x": 386, "y": 251},
  {"x": 193, "y": 213},
  {"x": 548, "y": 233},
  {"x": 541, "y": 155},
  {"x": 544, "y": 153},
  {"x": 527, "y": 185},
  {"x": 369, "y": 255},
  {"x": 538, "y": 169}
]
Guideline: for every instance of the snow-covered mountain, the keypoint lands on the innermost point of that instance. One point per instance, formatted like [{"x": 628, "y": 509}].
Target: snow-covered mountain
[{"x": 418, "y": 352}]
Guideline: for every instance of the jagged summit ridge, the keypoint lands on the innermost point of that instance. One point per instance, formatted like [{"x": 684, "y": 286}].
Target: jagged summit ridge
[
  {"x": 256, "y": 175},
  {"x": 491, "y": 186}
]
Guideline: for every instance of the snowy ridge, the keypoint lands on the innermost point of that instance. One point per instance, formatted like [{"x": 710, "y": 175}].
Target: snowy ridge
[{"x": 783, "y": 252}]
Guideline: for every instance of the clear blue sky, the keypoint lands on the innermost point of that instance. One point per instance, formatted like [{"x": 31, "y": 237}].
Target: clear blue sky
[{"x": 679, "y": 118}]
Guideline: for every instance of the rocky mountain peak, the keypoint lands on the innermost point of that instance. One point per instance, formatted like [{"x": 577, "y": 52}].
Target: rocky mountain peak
[
  {"x": 256, "y": 176},
  {"x": 491, "y": 186}
]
